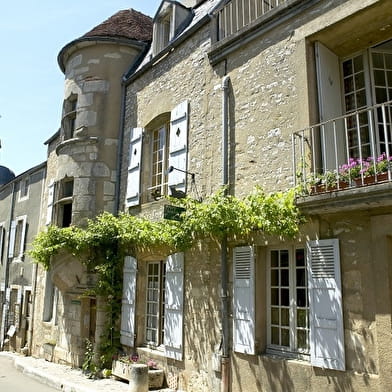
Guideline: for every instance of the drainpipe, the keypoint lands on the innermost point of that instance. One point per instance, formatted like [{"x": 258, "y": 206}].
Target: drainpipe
[{"x": 225, "y": 361}]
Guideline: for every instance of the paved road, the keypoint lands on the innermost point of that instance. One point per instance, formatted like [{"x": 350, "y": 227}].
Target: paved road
[{"x": 11, "y": 380}]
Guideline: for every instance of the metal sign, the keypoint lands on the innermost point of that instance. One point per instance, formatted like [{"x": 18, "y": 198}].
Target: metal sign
[{"x": 173, "y": 212}]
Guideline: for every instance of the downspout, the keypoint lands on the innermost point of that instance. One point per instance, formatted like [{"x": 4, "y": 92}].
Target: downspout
[
  {"x": 119, "y": 151},
  {"x": 5, "y": 304},
  {"x": 225, "y": 361}
]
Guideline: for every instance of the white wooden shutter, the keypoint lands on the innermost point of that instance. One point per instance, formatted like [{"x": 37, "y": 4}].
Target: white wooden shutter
[
  {"x": 11, "y": 244},
  {"x": 178, "y": 146},
  {"x": 23, "y": 235},
  {"x": 174, "y": 300},
  {"x": 133, "y": 181},
  {"x": 330, "y": 105},
  {"x": 325, "y": 304},
  {"x": 243, "y": 300},
  {"x": 128, "y": 302},
  {"x": 49, "y": 211}
]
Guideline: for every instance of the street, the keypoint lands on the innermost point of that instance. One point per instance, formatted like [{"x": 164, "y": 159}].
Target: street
[{"x": 11, "y": 380}]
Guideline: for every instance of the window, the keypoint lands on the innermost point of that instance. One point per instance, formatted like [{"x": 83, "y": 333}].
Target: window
[
  {"x": 358, "y": 87},
  {"x": 159, "y": 162},
  {"x": 64, "y": 202},
  {"x": 288, "y": 305},
  {"x": 155, "y": 303},
  {"x": 69, "y": 117},
  {"x": 163, "y": 144},
  {"x": 303, "y": 312},
  {"x": 24, "y": 189},
  {"x": 17, "y": 237}
]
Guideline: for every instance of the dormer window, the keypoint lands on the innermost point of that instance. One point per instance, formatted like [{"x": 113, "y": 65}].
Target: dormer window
[{"x": 169, "y": 21}]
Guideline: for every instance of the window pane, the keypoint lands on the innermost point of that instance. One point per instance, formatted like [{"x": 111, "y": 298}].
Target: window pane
[
  {"x": 284, "y": 297},
  {"x": 300, "y": 257},
  {"x": 284, "y": 258},
  {"x": 285, "y": 319},
  {"x": 275, "y": 335},
  {"x": 274, "y": 258},
  {"x": 275, "y": 316},
  {"x": 347, "y": 68},
  {"x": 285, "y": 337},
  {"x": 301, "y": 318},
  {"x": 301, "y": 277},
  {"x": 284, "y": 277},
  {"x": 274, "y": 296},
  {"x": 358, "y": 63},
  {"x": 301, "y": 297},
  {"x": 274, "y": 277},
  {"x": 302, "y": 339},
  {"x": 349, "y": 84},
  {"x": 381, "y": 95},
  {"x": 359, "y": 81},
  {"x": 361, "y": 98},
  {"x": 379, "y": 77},
  {"x": 378, "y": 60},
  {"x": 388, "y": 60}
]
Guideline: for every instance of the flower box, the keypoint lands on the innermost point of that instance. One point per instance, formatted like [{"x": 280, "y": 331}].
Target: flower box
[{"x": 369, "y": 180}]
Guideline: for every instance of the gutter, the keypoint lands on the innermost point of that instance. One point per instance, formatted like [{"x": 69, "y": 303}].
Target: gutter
[{"x": 225, "y": 360}]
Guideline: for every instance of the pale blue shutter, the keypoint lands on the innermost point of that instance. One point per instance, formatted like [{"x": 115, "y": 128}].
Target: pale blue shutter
[
  {"x": 325, "y": 304},
  {"x": 174, "y": 300},
  {"x": 127, "y": 332},
  {"x": 178, "y": 146},
  {"x": 133, "y": 180},
  {"x": 330, "y": 106},
  {"x": 49, "y": 210},
  {"x": 11, "y": 245},
  {"x": 243, "y": 300}
]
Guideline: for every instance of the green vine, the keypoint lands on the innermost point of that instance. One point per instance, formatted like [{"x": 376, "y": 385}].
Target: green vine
[{"x": 102, "y": 244}]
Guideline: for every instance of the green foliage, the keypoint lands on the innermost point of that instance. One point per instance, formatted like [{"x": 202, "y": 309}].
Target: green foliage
[{"x": 102, "y": 244}]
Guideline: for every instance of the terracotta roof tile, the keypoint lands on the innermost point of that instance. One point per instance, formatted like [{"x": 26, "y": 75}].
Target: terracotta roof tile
[{"x": 129, "y": 24}]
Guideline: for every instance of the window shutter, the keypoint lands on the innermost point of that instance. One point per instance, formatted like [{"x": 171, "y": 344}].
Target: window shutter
[
  {"x": 243, "y": 300},
  {"x": 128, "y": 302},
  {"x": 49, "y": 213},
  {"x": 330, "y": 105},
  {"x": 1, "y": 241},
  {"x": 23, "y": 236},
  {"x": 133, "y": 181},
  {"x": 174, "y": 299},
  {"x": 178, "y": 146},
  {"x": 325, "y": 304},
  {"x": 11, "y": 244}
]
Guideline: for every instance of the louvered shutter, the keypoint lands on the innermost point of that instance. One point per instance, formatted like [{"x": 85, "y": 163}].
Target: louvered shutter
[
  {"x": 178, "y": 146},
  {"x": 128, "y": 302},
  {"x": 330, "y": 106},
  {"x": 23, "y": 235},
  {"x": 11, "y": 245},
  {"x": 325, "y": 304},
  {"x": 174, "y": 299},
  {"x": 243, "y": 300},
  {"x": 49, "y": 210},
  {"x": 133, "y": 179}
]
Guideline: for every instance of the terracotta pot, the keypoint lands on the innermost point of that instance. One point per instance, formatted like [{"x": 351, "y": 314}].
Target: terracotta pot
[{"x": 321, "y": 188}]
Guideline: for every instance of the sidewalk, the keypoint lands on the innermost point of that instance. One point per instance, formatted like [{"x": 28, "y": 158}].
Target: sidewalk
[{"x": 64, "y": 378}]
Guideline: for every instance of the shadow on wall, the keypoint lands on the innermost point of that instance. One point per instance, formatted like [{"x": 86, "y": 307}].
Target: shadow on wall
[{"x": 202, "y": 304}]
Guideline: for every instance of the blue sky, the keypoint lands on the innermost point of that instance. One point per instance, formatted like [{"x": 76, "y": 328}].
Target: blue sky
[{"x": 31, "y": 84}]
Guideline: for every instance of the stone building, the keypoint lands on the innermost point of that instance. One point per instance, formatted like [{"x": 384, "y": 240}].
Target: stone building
[
  {"x": 20, "y": 208},
  {"x": 276, "y": 93},
  {"x": 309, "y": 314}
]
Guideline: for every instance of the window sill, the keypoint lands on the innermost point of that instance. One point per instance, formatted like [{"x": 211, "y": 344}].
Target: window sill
[
  {"x": 156, "y": 352},
  {"x": 287, "y": 356}
]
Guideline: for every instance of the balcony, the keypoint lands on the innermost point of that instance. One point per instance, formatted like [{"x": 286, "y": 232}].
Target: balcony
[{"x": 349, "y": 152}]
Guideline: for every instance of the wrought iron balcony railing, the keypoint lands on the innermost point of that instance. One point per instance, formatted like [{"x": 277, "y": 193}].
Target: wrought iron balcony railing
[
  {"x": 237, "y": 14},
  {"x": 351, "y": 150}
]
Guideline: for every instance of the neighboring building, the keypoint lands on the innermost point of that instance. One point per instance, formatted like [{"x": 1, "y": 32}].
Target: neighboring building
[
  {"x": 302, "y": 87},
  {"x": 20, "y": 208}
]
